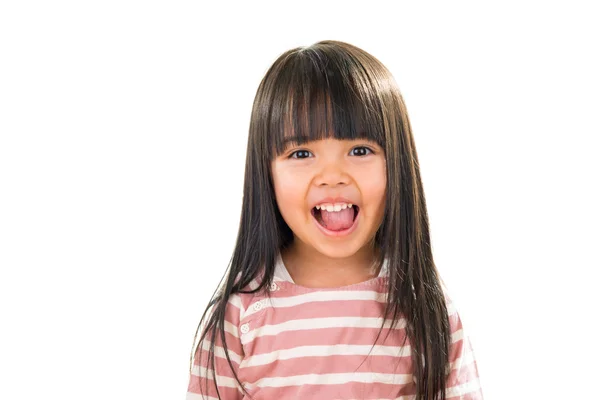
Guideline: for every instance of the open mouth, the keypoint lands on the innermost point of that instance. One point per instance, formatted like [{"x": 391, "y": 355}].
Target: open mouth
[{"x": 336, "y": 221}]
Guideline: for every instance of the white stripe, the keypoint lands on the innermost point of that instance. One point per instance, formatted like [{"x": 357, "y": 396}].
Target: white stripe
[
  {"x": 326, "y": 296},
  {"x": 341, "y": 295},
  {"x": 236, "y": 301},
  {"x": 253, "y": 284},
  {"x": 335, "y": 379},
  {"x": 325, "y": 351},
  {"x": 313, "y": 297},
  {"x": 459, "y": 390},
  {"x": 231, "y": 328},
  {"x": 220, "y": 352},
  {"x": 456, "y": 336},
  {"x": 451, "y": 309},
  {"x": 319, "y": 323},
  {"x": 195, "y": 396}
]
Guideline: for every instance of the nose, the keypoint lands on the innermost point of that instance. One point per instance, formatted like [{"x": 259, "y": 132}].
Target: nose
[{"x": 332, "y": 175}]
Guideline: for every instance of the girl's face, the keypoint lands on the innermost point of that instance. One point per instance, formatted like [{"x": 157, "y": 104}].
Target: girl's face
[{"x": 315, "y": 184}]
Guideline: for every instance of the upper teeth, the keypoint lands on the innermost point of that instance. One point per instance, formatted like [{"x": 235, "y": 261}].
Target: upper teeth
[{"x": 334, "y": 207}]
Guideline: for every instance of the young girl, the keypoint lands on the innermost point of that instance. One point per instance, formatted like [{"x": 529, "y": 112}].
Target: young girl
[{"x": 332, "y": 291}]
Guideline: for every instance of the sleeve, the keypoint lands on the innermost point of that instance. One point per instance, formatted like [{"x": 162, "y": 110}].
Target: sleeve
[
  {"x": 201, "y": 385},
  {"x": 462, "y": 382}
]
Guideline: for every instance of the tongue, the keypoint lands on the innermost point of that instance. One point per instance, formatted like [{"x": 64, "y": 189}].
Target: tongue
[{"x": 337, "y": 221}]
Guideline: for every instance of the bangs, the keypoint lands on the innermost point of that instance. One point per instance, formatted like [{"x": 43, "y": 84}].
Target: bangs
[{"x": 312, "y": 101}]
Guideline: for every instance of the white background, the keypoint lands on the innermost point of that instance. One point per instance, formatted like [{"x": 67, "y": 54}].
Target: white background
[{"x": 122, "y": 141}]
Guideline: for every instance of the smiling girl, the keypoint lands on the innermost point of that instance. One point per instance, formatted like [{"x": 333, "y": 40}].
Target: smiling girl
[
  {"x": 331, "y": 194},
  {"x": 332, "y": 291}
]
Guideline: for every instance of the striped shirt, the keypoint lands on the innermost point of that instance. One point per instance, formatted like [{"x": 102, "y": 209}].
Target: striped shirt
[{"x": 313, "y": 343}]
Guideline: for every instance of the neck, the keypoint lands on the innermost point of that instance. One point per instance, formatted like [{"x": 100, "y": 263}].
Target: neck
[{"x": 309, "y": 268}]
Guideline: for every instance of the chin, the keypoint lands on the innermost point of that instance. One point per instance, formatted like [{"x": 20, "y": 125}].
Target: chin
[{"x": 336, "y": 250}]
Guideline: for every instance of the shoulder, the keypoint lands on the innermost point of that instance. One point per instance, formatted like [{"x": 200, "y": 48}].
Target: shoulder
[
  {"x": 241, "y": 305},
  {"x": 463, "y": 378}
]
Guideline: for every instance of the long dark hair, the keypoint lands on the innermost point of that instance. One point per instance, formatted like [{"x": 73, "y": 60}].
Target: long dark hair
[{"x": 334, "y": 89}]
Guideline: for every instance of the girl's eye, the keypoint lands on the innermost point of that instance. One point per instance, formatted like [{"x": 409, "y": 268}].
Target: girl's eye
[
  {"x": 300, "y": 154},
  {"x": 360, "y": 151}
]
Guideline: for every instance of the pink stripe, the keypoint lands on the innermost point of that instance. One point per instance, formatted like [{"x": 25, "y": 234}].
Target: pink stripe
[
  {"x": 327, "y": 336},
  {"x": 232, "y": 314},
  {"x": 332, "y": 364},
  {"x": 353, "y": 390},
  {"x": 221, "y": 365},
  {"x": 208, "y": 388},
  {"x": 343, "y": 308},
  {"x": 462, "y": 375}
]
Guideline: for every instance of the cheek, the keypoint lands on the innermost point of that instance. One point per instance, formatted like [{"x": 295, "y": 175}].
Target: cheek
[
  {"x": 289, "y": 192},
  {"x": 374, "y": 195},
  {"x": 287, "y": 195},
  {"x": 373, "y": 186}
]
